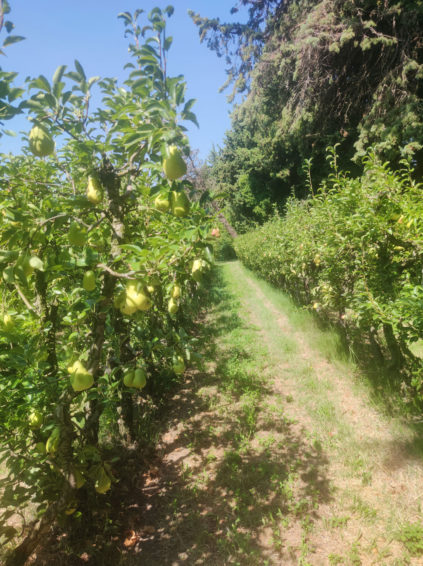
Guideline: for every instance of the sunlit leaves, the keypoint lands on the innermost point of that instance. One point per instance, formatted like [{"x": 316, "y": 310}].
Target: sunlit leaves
[
  {"x": 353, "y": 254},
  {"x": 51, "y": 236}
]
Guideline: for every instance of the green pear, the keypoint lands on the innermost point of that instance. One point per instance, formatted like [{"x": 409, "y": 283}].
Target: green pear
[
  {"x": 26, "y": 266},
  {"x": 172, "y": 306},
  {"x": 8, "y": 322},
  {"x": 176, "y": 292},
  {"x": 162, "y": 203},
  {"x": 81, "y": 379},
  {"x": 79, "y": 478},
  {"x": 88, "y": 281},
  {"x": 35, "y": 420},
  {"x": 94, "y": 190},
  {"x": 174, "y": 166},
  {"x": 140, "y": 378},
  {"x": 198, "y": 268},
  {"x": 179, "y": 203},
  {"x": 178, "y": 365},
  {"x": 40, "y": 142},
  {"x": 102, "y": 481},
  {"x": 128, "y": 378},
  {"x": 53, "y": 441}
]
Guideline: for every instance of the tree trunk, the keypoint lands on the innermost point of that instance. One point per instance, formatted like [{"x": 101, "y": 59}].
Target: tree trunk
[
  {"x": 231, "y": 230},
  {"x": 397, "y": 357}
]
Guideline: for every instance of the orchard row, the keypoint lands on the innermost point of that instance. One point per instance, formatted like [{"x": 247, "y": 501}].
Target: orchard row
[
  {"x": 103, "y": 254},
  {"x": 353, "y": 253}
]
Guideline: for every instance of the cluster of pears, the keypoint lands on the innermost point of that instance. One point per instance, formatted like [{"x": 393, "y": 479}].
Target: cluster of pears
[
  {"x": 135, "y": 297},
  {"x": 99, "y": 472},
  {"x": 199, "y": 266},
  {"x": 36, "y": 421},
  {"x": 173, "y": 304},
  {"x": 41, "y": 143},
  {"x": 136, "y": 378},
  {"x": 176, "y": 201}
]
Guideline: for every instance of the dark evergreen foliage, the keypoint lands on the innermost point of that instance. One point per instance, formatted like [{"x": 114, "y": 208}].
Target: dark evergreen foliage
[{"x": 317, "y": 73}]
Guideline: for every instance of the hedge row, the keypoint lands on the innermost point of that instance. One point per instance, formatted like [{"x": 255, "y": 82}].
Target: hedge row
[{"x": 353, "y": 252}]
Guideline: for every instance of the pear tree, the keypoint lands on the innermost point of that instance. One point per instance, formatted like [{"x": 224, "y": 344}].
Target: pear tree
[{"x": 97, "y": 238}]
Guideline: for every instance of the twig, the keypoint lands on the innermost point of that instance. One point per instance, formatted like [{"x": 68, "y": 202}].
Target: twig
[
  {"x": 68, "y": 175},
  {"x": 52, "y": 218},
  {"x": 98, "y": 222},
  {"x": 129, "y": 275},
  {"x": 25, "y": 300},
  {"x": 130, "y": 168}
]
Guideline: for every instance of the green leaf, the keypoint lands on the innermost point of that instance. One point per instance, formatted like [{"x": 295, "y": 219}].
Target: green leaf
[
  {"x": 92, "y": 81},
  {"x": 10, "y": 39},
  {"x": 74, "y": 76},
  {"x": 167, "y": 44},
  {"x": 126, "y": 16},
  {"x": 42, "y": 83},
  {"x": 132, "y": 248},
  {"x": 32, "y": 103},
  {"x": 80, "y": 70},
  {"x": 189, "y": 104},
  {"x": 191, "y": 117},
  {"x": 58, "y": 75},
  {"x": 36, "y": 263}
]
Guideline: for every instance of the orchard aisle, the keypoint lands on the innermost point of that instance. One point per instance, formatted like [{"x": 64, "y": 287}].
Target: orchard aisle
[{"x": 274, "y": 455}]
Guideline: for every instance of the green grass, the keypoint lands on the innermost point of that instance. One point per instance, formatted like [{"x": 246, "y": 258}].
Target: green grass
[
  {"x": 283, "y": 349},
  {"x": 411, "y": 535},
  {"x": 266, "y": 474},
  {"x": 314, "y": 391}
]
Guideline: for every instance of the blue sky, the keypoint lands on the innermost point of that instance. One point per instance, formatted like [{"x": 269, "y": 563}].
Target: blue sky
[{"x": 57, "y": 32}]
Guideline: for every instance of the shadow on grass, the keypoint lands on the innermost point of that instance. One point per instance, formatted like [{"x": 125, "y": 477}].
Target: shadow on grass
[
  {"x": 371, "y": 363},
  {"x": 218, "y": 477},
  {"x": 366, "y": 350}
]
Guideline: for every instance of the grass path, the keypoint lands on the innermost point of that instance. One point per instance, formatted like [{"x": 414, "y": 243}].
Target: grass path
[{"x": 275, "y": 454}]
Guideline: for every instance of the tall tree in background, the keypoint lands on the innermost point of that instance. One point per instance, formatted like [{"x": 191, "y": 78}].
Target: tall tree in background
[
  {"x": 316, "y": 73},
  {"x": 240, "y": 44}
]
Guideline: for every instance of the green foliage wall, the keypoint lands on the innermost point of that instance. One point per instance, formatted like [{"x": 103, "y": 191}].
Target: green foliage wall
[{"x": 354, "y": 254}]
